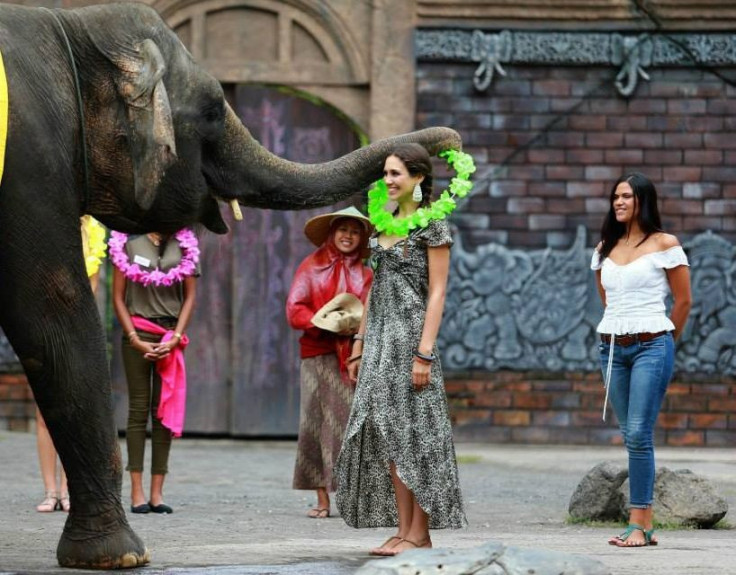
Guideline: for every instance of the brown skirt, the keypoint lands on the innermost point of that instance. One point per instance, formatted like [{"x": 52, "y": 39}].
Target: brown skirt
[{"x": 324, "y": 409}]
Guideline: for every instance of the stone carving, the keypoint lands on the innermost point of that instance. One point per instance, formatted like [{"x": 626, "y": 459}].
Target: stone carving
[
  {"x": 711, "y": 49},
  {"x": 479, "y": 329},
  {"x": 560, "y": 48},
  {"x": 8, "y": 360},
  {"x": 452, "y": 45},
  {"x": 490, "y": 50},
  {"x": 527, "y": 310},
  {"x": 492, "y": 558},
  {"x": 519, "y": 310},
  {"x": 632, "y": 53},
  {"x": 709, "y": 341}
]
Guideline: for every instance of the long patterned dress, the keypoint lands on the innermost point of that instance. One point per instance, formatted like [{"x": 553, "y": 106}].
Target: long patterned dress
[
  {"x": 389, "y": 420},
  {"x": 325, "y": 398},
  {"x": 324, "y": 407}
]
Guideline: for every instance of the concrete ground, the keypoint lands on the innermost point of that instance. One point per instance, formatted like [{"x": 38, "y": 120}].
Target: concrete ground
[{"x": 235, "y": 512}]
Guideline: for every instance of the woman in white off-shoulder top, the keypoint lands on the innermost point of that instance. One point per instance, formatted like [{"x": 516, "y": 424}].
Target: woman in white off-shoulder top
[{"x": 637, "y": 266}]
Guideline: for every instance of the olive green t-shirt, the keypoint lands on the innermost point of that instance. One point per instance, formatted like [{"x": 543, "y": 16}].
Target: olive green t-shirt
[{"x": 154, "y": 301}]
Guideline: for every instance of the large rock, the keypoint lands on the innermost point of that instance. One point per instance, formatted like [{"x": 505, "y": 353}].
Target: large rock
[
  {"x": 435, "y": 561},
  {"x": 516, "y": 561},
  {"x": 493, "y": 558},
  {"x": 598, "y": 496},
  {"x": 682, "y": 497}
]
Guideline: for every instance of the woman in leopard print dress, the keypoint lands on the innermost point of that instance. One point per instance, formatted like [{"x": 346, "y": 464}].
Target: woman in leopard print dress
[{"x": 397, "y": 464}]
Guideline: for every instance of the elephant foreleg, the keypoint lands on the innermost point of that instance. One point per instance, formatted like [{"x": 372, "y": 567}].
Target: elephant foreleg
[{"x": 56, "y": 332}]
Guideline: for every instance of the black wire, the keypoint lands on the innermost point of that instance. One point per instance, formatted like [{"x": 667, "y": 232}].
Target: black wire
[
  {"x": 653, "y": 17},
  {"x": 648, "y": 12},
  {"x": 541, "y": 135}
]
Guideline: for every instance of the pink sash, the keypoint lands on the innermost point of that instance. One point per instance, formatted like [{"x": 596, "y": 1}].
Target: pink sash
[{"x": 173, "y": 372}]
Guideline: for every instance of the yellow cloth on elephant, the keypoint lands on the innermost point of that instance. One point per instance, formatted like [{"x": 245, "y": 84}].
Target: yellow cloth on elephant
[
  {"x": 3, "y": 115},
  {"x": 93, "y": 244}
]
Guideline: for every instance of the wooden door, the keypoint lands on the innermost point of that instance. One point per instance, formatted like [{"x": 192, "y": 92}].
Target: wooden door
[{"x": 243, "y": 362}]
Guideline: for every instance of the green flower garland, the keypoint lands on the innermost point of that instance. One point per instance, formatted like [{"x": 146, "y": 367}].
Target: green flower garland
[{"x": 460, "y": 186}]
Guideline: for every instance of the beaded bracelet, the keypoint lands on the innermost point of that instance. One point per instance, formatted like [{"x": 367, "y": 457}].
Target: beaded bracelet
[
  {"x": 132, "y": 334},
  {"x": 177, "y": 334},
  {"x": 359, "y": 337},
  {"x": 427, "y": 358}
]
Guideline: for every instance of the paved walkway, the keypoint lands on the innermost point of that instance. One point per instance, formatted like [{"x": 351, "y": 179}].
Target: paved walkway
[{"x": 235, "y": 512}]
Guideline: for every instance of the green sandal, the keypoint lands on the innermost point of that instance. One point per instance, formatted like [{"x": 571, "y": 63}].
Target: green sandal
[
  {"x": 620, "y": 540},
  {"x": 649, "y": 536}
]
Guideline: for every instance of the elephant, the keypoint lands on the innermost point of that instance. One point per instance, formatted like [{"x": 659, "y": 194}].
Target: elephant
[{"x": 109, "y": 115}]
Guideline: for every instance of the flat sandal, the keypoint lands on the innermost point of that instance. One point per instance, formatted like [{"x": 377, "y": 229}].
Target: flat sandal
[
  {"x": 50, "y": 503},
  {"x": 319, "y": 513},
  {"x": 387, "y": 553},
  {"x": 620, "y": 540},
  {"x": 424, "y": 544}
]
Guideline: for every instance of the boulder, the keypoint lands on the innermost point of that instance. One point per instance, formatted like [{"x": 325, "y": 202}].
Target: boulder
[
  {"x": 598, "y": 496},
  {"x": 493, "y": 558},
  {"x": 435, "y": 561},
  {"x": 516, "y": 561},
  {"x": 682, "y": 497}
]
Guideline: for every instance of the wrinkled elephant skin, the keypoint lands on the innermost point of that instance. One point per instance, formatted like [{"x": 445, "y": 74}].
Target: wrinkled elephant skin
[{"x": 163, "y": 148}]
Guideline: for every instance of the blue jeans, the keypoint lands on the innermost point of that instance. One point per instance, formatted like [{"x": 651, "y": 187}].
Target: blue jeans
[{"x": 640, "y": 374}]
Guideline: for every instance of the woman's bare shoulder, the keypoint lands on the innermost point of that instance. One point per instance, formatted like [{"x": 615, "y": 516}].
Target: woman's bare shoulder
[{"x": 666, "y": 241}]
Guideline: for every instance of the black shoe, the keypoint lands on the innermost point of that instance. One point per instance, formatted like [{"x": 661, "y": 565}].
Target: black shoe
[
  {"x": 142, "y": 508},
  {"x": 160, "y": 508}
]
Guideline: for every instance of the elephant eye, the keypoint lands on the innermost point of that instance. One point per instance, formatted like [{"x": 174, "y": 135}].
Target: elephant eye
[
  {"x": 120, "y": 138},
  {"x": 213, "y": 113}
]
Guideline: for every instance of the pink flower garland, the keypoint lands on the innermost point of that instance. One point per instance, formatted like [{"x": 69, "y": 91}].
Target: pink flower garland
[{"x": 187, "y": 266}]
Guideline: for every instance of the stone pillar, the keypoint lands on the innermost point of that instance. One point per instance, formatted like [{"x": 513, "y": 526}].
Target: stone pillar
[{"x": 392, "y": 100}]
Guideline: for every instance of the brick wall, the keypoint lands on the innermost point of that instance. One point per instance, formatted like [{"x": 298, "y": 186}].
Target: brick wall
[
  {"x": 548, "y": 149},
  {"x": 517, "y": 407},
  {"x": 567, "y": 407},
  {"x": 17, "y": 407},
  {"x": 548, "y": 144}
]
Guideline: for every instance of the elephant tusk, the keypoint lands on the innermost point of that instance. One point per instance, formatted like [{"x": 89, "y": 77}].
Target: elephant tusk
[{"x": 236, "y": 209}]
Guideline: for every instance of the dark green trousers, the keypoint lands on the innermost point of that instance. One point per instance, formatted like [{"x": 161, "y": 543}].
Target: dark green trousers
[{"x": 144, "y": 393}]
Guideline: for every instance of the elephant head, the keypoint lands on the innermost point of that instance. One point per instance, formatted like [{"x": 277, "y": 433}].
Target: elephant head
[{"x": 177, "y": 145}]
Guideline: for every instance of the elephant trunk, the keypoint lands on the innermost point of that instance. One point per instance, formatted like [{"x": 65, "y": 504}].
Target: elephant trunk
[{"x": 246, "y": 171}]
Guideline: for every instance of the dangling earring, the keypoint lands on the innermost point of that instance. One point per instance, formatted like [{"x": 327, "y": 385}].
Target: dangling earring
[{"x": 417, "y": 193}]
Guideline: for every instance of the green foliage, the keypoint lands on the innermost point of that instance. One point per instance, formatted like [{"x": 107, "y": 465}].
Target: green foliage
[
  {"x": 470, "y": 458},
  {"x": 570, "y": 520}
]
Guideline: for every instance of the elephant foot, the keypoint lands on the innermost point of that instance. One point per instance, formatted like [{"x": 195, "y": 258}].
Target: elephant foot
[{"x": 107, "y": 547}]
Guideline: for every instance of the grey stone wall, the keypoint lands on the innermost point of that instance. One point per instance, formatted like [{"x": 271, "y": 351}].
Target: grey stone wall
[
  {"x": 8, "y": 360},
  {"x": 538, "y": 309}
]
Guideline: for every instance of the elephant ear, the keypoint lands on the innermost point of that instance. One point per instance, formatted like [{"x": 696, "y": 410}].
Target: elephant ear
[
  {"x": 139, "y": 81},
  {"x": 150, "y": 125}
]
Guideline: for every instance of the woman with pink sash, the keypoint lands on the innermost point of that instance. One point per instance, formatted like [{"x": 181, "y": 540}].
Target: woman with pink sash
[{"x": 154, "y": 287}]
